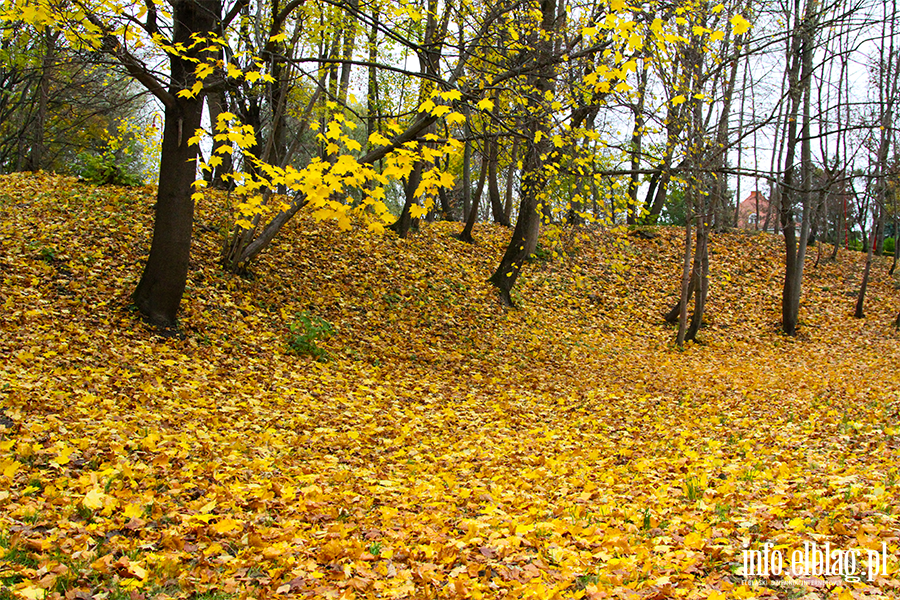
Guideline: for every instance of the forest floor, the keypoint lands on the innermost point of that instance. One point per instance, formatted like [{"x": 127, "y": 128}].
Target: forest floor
[{"x": 443, "y": 446}]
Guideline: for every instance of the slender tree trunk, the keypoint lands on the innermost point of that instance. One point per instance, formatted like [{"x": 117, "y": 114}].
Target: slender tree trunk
[
  {"x": 467, "y": 174},
  {"x": 636, "y": 150},
  {"x": 799, "y": 76},
  {"x": 510, "y": 179},
  {"x": 466, "y": 234},
  {"x": 216, "y": 103},
  {"x": 494, "y": 185},
  {"x": 701, "y": 269},
  {"x": 372, "y": 92},
  {"x": 686, "y": 288},
  {"x": 36, "y": 157},
  {"x": 861, "y": 297},
  {"x": 347, "y": 53},
  {"x": 534, "y": 176}
]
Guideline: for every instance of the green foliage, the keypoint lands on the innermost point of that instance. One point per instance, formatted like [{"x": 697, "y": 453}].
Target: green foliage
[
  {"x": 541, "y": 254},
  {"x": 107, "y": 168},
  {"x": 889, "y": 245},
  {"x": 674, "y": 212},
  {"x": 306, "y": 332}
]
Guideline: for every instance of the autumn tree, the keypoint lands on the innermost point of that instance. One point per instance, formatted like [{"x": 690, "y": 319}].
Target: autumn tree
[
  {"x": 59, "y": 106},
  {"x": 885, "y": 74}
]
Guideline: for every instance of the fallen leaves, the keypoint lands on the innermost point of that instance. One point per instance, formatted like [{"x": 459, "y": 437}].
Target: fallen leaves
[{"x": 449, "y": 448}]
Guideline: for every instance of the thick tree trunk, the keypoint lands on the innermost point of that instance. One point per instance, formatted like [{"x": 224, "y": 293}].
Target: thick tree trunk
[
  {"x": 405, "y": 221},
  {"x": 162, "y": 283}
]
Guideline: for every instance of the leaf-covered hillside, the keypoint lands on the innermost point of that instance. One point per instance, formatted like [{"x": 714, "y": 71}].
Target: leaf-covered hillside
[{"x": 443, "y": 447}]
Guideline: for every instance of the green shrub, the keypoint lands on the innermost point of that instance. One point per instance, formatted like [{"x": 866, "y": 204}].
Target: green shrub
[
  {"x": 888, "y": 246},
  {"x": 106, "y": 169},
  {"x": 306, "y": 332}
]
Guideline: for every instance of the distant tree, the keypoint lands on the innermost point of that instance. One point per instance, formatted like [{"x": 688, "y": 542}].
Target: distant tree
[{"x": 58, "y": 105}]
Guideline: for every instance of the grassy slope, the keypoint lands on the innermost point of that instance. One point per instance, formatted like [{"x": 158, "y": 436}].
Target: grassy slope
[{"x": 449, "y": 447}]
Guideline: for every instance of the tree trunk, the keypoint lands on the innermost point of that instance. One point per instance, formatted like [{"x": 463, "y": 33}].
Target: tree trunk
[
  {"x": 510, "y": 180},
  {"x": 216, "y": 103},
  {"x": 372, "y": 91},
  {"x": 494, "y": 185},
  {"x": 36, "y": 158},
  {"x": 637, "y": 137},
  {"x": 799, "y": 80},
  {"x": 534, "y": 177},
  {"x": 162, "y": 283},
  {"x": 405, "y": 221},
  {"x": 701, "y": 267},
  {"x": 347, "y": 53},
  {"x": 466, "y": 234},
  {"x": 686, "y": 279},
  {"x": 861, "y": 297}
]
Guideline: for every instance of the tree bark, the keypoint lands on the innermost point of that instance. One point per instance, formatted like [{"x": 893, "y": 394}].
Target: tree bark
[
  {"x": 534, "y": 176},
  {"x": 466, "y": 234},
  {"x": 158, "y": 294},
  {"x": 497, "y": 211}
]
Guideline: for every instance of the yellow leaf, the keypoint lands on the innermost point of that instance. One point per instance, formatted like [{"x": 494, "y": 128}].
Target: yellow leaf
[
  {"x": 456, "y": 118},
  {"x": 30, "y": 592},
  {"x": 10, "y": 467},
  {"x": 739, "y": 24},
  {"x": 64, "y": 455},
  {"x": 94, "y": 499},
  {"x": 485, "y": 104},
  {"x": 226, "y": 525},
  {"x": 417, "y": 212},
  {"x": 440, "y": 110},
  {"x": 137, "y": 571}
]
